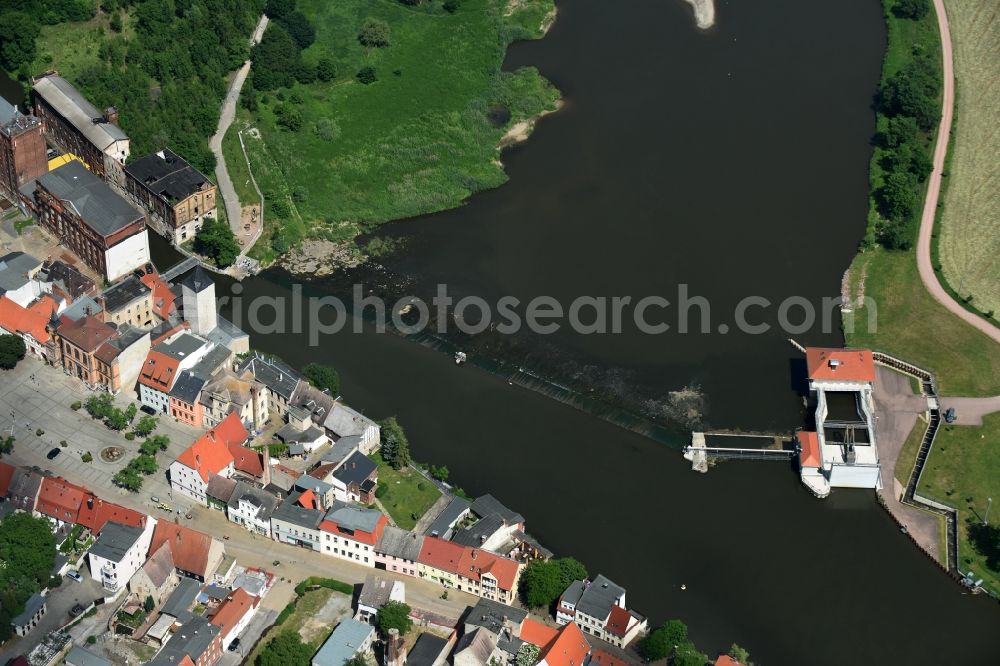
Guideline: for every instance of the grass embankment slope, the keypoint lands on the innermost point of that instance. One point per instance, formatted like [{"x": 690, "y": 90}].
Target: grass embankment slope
[
  {"x": 962, "y": 471},
  {"x": 418, "y": 140},
  {"x": 969, "y": 227},
  {"x": 404, "y": 493},
  {"x": 910, "y": 323}
]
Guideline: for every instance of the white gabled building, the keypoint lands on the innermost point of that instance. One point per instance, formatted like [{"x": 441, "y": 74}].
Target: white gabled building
[{"x": 119, "y": 553}]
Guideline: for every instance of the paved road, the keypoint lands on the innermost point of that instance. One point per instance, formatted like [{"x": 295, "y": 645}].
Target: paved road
[
  {"x": 926, "y": 268},
  {"x": 897, "y": 408},
  {"x": 39, "y": 397},
  {"x": 225, "y": 120},
  {"x": 43, "y": 401},
  {"x": 970, "y": 411}
]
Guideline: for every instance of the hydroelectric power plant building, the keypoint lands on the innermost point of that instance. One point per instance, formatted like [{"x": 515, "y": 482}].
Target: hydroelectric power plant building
[{"x": 842, "y": 451}]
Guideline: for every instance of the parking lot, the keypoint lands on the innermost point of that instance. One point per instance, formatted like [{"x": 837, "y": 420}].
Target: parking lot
[{"x": 39, "y": 396}]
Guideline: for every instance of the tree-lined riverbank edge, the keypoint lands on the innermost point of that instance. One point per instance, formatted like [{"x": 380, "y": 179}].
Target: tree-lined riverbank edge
[
  {"x": 911, "y": 323},
  {"x": 407, "y": 118}
]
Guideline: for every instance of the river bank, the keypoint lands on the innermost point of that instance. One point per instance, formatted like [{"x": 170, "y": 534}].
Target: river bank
[
  {"x": 422, "y": 137},
  {"x": 912, "y": 324}
]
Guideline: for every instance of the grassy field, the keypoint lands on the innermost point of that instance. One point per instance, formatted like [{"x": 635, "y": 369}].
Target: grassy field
[
  {"x": 969, "y": 242},
  {"x": 404, "y": 493},
  {"x": 909, "y": 322},
  {"x": 912, "y": 325},
  {"x": 72, "y": 47},
  {"x": 307, "y": 606},
  {"x": 962, "y": 472},
  {"x": 418, "y": 140},
  {"x": 908, "y": 454}
]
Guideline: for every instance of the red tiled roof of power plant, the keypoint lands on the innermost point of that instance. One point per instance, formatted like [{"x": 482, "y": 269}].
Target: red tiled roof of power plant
[
  {"x": 570, "y": 648},
  {"x": 849, "y": 365},
  {"x": 188, "y": 547},
  {"x": 159, "y": 371},
  {"x": 809, "y": 453}
]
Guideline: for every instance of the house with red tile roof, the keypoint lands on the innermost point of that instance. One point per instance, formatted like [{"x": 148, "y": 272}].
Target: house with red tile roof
[
  {"x": 195, "y": 554},
  {"x": 350, "y": 533},
  {"x": 234, "y": 614},
  {"x": 469, "y": 569},
  {"x": 163, "y": 367},
  {"x": 99, "y": 354},
  {"x": 570, "y": 648},
  {"x": 69, "y": 503},
  {"x": 31, "y": 324},
  {"x": 60, "y": 500},
  {"x": 598, "y": 607},
  {"x": 209, "y": 455},
  {"x": 162, "y": 295},
  {"x": 726, "y": 660}
]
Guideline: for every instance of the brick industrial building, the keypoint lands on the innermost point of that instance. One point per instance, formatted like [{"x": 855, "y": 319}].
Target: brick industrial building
[
  {"x": 99, "y": 226},
  {"x": 22, "y": 149},
  {"x": 76, "y": 126},
  {"x": 177, "y": 196}
]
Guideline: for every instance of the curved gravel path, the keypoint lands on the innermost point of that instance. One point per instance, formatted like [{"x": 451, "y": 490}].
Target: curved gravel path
[
  {"x": 226, "y": 189},
  {"x": 924, "y": 264}
]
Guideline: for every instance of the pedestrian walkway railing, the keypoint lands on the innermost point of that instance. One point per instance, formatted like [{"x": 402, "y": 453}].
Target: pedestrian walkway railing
[{"x": 928, "y": 387}]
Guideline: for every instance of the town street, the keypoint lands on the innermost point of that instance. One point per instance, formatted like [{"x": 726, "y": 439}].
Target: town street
[{"x": 40, "y": 397}]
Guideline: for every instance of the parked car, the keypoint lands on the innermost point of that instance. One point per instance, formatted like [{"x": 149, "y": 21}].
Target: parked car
[
  {"x": 51, "y": 455},
  {"x": 154, "y": 499},
  {"x": 950, "y": 415},
  {"x": 75, "y": 575},
  {"x": 235, "y": 645},
  {"x": 76, "y": 610}
]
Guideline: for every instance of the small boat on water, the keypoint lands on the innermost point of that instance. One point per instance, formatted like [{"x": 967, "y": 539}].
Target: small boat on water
[{"x": 460, "y": 358}]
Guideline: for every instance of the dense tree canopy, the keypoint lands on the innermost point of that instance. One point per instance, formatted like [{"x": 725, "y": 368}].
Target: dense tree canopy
[
  {"x": 394, "y": 615},
  {"x": 12, "y": 350},
  {"x": 322, "y": 377},
  {"x": 287, "y": 649},
  {"x": 27, "y": 551},
  {"x": 395, "y": 447},
  {"x": 374, "y": 33},
  {"x": 216, "y": 241},
  {"x": 544, "y": 580}
]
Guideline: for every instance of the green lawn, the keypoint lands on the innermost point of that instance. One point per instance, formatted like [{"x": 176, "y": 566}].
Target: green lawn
[
  {"x": 307, "y": 606},
  {"x": 915, "y": 327},
  {"x": 962, "y": 471},
  {"x": 416, "y": 141},
  {"x": 404, "y": 493},
  {"x": 72, "y": 47},
  {"x": 909, "y": 322},
  {"x": 908, "y": 454}
]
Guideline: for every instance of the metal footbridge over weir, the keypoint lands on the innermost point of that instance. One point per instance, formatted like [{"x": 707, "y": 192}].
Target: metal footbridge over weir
[{"x": 179, "y": 269}]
